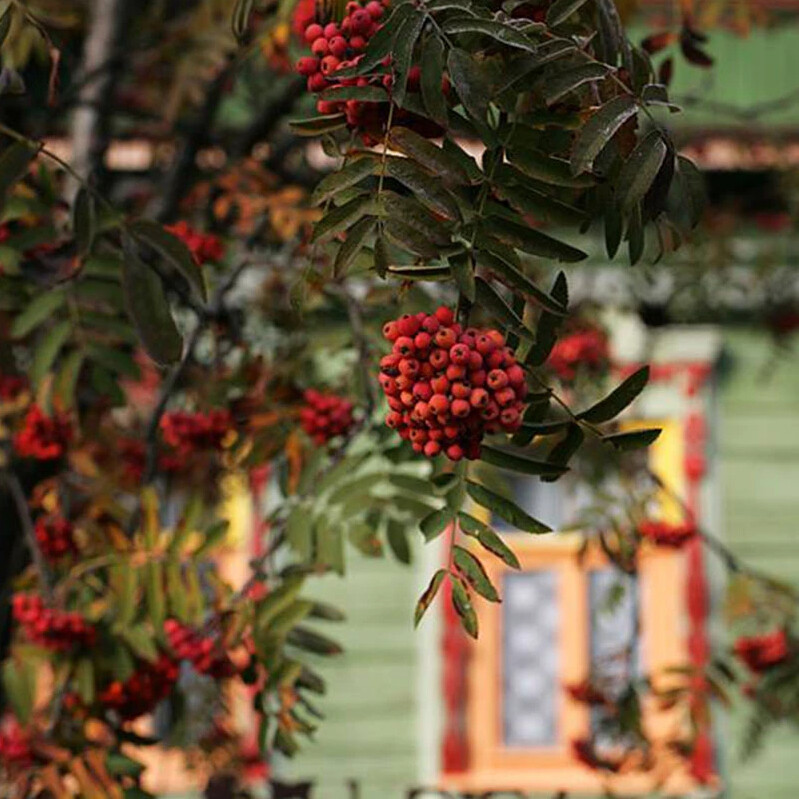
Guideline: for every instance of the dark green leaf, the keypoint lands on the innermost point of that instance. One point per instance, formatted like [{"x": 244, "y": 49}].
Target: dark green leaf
[
  {"x": 635, "y": 235},
  {"x": 47, "y": 351},
  {"x": 348, "y": 176},
  {"x": 613, "y": 228},
  {"x": 640, "y": 169},
  {"x": 422, "y": 150},
  {"x": 421, "y": 272},
  {"x": 530, "y": 201},
  {"x": 352, "y": 245},
  {"x": 488, "y": 299},
  {"x": 241, "y": 19},
  {"x": 545, "y": 168},
  {"x": 426, "y": 599},
  {"x": 506, "y": 509},
  {"x": 496, "y": 30},
  {"x": 381, "y": 256},
  {"x": 475, "y": 574},
  {"x": 463, "y": 272},
  {"x": 410, "y": 211},
  {"x": 149, "y": 310},
  {"x": 561, "y": 10},
  {"x": 562, "y": 452},
  {"x": 397, "y": 537},
  {"x": 5, "y": 23},
  {"x": 488, "y": 539},
  {"x": 435, "y": 523},
  {"x": 410, "y": 240},
  {"x": 312, "y": 641},
  {"x": 534, "y": 242},
  {"x": 424, "y": 185},
  {"x": 173, "y": 250},
  {"x": 67, "y": 379},
  {"x": 316, "y": 126},
  {"x": 14, "y": 164},
  {"x": 342, "y": 217},
  {"x": 432, "y": 64},
  {"x": 402, "y": 53},
  {"x": 618, "y": 399},
  {"x": 42, "y": 307},
  {"x": 599, "y": 130},
  {"x": 463, "y": 607},
  {"x": 381, "y": 43},
  {"x": 517, "y": 461},
  {"x": 635, "y": 439},
  {"x": 363, "y": 94},
  {"x": 548, "y": 325},
  {"x": 556, "y": 87},
  {"x": 470, "y": 82},
  {"x": 516, "y": 279},
  {"x": 117, "y": 360},
  {"x": 83, "y": 221}
]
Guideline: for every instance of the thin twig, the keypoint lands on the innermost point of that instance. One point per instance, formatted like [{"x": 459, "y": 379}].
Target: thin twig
[{"x": 23, "y": 513}]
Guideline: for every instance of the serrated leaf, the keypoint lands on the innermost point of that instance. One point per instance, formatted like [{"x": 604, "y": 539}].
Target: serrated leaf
[
  {"x": 435, "y": 523},
  {"x": 47, "y": 350},
  {"x": 148, "y": 308},
  {"x": 475, "y": 574},
  {"x": 635, "y": 439},
  {"x": 117, "y": 360},
  {"x": 176, "y": 253},
  {"x": 470, "y": 82},
  {"x": 493, "y": 28},
  {"x": 426, "y": 599},
  {"x": 432, "y": 64},
  {"x": 516, "y": 279},
  {"x": 561, "y": 10},
  {"x": 19, "y": 688},
  {"x": 563, "y": 450},
  {"x": 548, "y": 325},
  {"x": 463, "y": 273},
  {"x": 614, "y": 227},
  {"x": 241, "y": 19},
  {"x": 557, "y": 86},
  {"x": 517, "y": 461},
  {"x": 363, "y": 94},
  {"x": 67, "y": 379},
  {"x": 424, "y": 185},
  {"x": 154, "y": 593},
  {"x": 14, "y": 164},
  {"x": 430, "y": 156},
  {"x": 488, "y": 539},
  {"x": 381, "y": 257},
  {"x": 599, "y": 130},
  {"x": 506, "y": 509},
  {"x": 342, "y": 217},
  {"x": 421, "y": 272},
  {"x": 316, "y": 126},
  {"x": 490, "y": 301},
  {"x": 534, "y": 242},
  {"x": 348, "y": 176},
  {"x": 40, "y": 309},
  {"x": 83, "y": 221},
  {"x": 380, "y": 44},
  {"x": 402, "y": 53},
  {"x": 618, "y": 399},
  {"x": 529, "y": 200},
  {"x": 397, "y": 538},
  {"x": 312, "y": 641},
  {"x": 640, "y": 169},
  {"x": 410, "y": 211},
  {"x": 462, "y": 603},
  {"x": 546, "y": 168},
  {"x": 411, "y": 240},
  {"x": 352, "y": 245}
]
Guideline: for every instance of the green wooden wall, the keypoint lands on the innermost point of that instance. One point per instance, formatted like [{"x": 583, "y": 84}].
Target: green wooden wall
[{"x": 759, "y": 472}]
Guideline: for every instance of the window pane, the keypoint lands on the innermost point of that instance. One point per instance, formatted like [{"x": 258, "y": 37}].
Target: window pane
[{"x": 530, "y": 658}]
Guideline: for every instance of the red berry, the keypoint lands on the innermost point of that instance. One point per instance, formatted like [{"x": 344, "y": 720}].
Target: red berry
[
  {"x": 432, "y": 448},
  {"x": 479, "y": 398},
  {"x": 320, "y": 46},
  {"x": 313, "y": 32},
  {"x": 331, "y": 30},
  {"x": 455, "y": 452},
  {"x": 497, "y": 379},
  {"x": 391, "y": 331},
  {"x": 460, "y": 408},
  {"x": 445, "y": 315},
  {"x": 308, "y": 65}
]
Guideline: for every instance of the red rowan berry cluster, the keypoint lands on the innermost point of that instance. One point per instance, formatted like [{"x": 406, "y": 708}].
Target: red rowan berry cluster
[
  {"x": 447, "y": 387},
  {"x": 664, "y": 534},
  {"x": 584, "y": 349},
  {"x": 55, "y": 537},
  {"x": 58, "y": 630},
  {"x": 761, "y": 652},
  {"x": 133, "y": 456},
  {"x": 43, "y": 437},
  {"x": 11, "y": 386},
  {"x": 190, "y": 432},
  {"x": 325, "y": 416},
  {"x": 143, "y": 690},
  {"x": 204, "y": 247},
  {"x": 203, "y": 652},
  {"x": 15, "y": 745}
]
